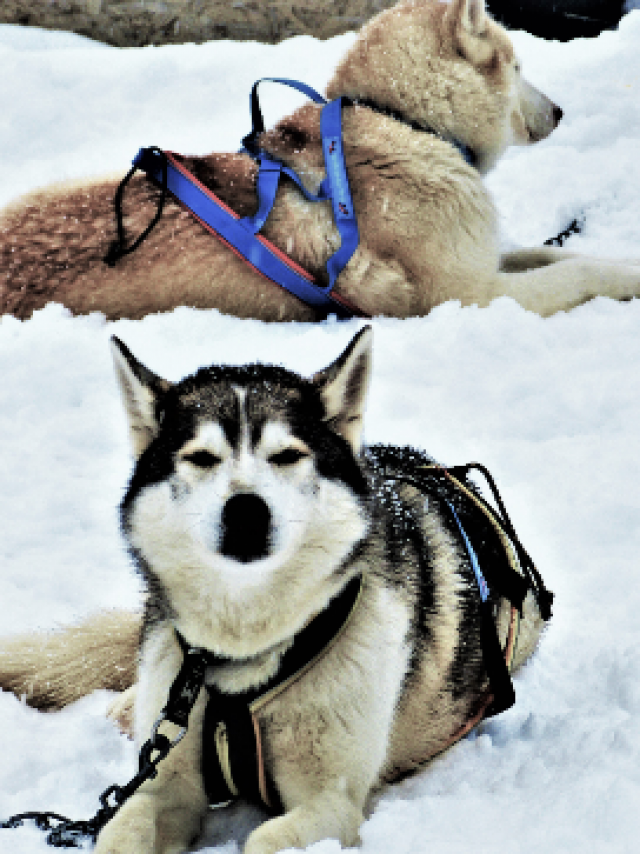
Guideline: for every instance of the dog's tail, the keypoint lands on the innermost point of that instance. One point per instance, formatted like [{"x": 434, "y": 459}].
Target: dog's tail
[{"x": 52, "y": 669}]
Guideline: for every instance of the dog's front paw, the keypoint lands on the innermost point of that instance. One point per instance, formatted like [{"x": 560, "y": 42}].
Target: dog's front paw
[
  {"x": 130, "y": 831},
  {"x": 305, "y": 825},
  {"x": 275, "y": 835},
  {"x": 151, "y": 823}
]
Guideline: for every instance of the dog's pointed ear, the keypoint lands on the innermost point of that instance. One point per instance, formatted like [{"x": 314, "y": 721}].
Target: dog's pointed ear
[
  {"x": 468, "y": 20},
  {"x": 470, "y": 15},
  {"x": 140, "y": 389},
  {"x": 343, "y": 387}
]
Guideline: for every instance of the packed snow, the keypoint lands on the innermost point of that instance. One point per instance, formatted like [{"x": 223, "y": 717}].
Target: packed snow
[{"x": 551, "y": 406}]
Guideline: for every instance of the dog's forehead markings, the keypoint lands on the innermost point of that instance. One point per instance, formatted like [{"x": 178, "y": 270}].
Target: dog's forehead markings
[
  {"x": 210, "y": 435},
  {"x": 275, "y": 435},
  {"x": 218, "y": 402},
  {"x": 270, "y": 402}
]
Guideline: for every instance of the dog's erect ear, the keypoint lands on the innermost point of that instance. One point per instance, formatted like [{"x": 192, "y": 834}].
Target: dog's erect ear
[
  {"x": 468, "y": 21},
  {"x": 140, "y": 389},
  {"x": 470, "y": 15},
  {"x": 343, "y": 388}
]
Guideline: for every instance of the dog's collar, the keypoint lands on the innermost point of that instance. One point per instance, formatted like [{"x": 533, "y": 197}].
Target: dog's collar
[
  {"x": 312, "y": 640},
  {"x": 467, "y": 153},
  {"x": 231, "y": 729}
]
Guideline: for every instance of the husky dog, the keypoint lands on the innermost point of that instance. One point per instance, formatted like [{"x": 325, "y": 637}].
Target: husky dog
[
  {"x": 422, "y": 76},
  {"x": 252, "y": 508}
]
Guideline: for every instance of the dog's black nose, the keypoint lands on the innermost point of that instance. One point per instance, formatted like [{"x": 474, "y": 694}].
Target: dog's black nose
[
  {"x": 557, "y": 114},
  {"x": 246, "y": 528}
]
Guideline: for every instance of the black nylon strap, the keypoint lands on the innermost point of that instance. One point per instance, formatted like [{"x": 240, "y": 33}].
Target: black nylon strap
[
  {"x": 118, "y": 249},
  {"x": 500, "y": 684},
  {"x": 187, "y": 684},
  {"x": 250, "y": 141},
  {"x": 504, "y": 695},
  {"x": 543, "y": 595},
  {"x": 467, "y": 153},
  {"x": 234, "y": 709},
  {"x": 500, "y": 576},
  {"x": 233, "y": 712},
  {"x": 502, "y": 579}
]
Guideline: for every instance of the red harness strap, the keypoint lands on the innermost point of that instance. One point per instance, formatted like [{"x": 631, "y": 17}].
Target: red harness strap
[{"x": 349, "y": 307}]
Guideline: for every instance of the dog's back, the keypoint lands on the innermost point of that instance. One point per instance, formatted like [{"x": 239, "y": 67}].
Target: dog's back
[{"x": 427, "y": 79}]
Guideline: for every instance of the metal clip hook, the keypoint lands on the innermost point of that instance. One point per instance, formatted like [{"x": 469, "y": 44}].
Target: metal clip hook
[{"x": 156, "y": 727}]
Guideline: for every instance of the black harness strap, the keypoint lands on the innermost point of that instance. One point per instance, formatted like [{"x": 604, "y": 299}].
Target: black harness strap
[
  {"x": 467, "y": 153},
  {"x": 479, "y": 535},
  {"x": 511, "y": 584},
  {"x": 119, "y": 248},
  {"x": 232, "y": 754},
  {"x": 231, "y": 718},
  {"x": 507, "y": 583}
]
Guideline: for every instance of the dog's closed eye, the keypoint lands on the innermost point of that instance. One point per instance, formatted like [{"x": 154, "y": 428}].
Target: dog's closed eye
[
  {"x": 202, "y": 459},
  {"x": 287, "y": 457}
]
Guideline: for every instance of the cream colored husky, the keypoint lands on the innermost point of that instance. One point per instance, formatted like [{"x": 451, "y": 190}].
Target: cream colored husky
[{"x": 423, "y": 75}]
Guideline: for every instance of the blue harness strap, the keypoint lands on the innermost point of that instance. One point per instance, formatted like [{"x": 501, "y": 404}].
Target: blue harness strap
[
  {"x": 238, "y": 234},
  {"x": 242, "y": 235},
  {"x": 335, "y": 186},
  {"x": 481, "y": 581},
  {"x": 341, "y": 202},
  {"x": 250, "y": 141}
]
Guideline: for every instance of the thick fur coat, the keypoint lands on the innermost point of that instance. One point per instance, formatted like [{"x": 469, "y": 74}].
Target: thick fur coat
[
  {"x": 428, "y": 228},
  {"x": 252, "y": 505}
]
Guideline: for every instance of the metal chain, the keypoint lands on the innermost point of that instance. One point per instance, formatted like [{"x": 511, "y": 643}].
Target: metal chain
[{"x": 65, "y": 833}]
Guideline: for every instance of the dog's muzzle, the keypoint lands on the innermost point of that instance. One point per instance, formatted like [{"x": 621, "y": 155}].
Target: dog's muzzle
[{"x": 246, "y": 528}]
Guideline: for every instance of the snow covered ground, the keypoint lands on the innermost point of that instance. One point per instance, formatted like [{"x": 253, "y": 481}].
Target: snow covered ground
[{"x": 550, "y": 406}]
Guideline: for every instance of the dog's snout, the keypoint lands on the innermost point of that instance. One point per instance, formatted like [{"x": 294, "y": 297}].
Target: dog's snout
[
  {"x": 557, "y": 114},
  {"x": 246, "y": 528}
]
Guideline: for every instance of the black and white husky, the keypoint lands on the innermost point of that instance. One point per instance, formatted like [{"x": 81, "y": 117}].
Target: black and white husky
[{"x": 330, "y": 591}]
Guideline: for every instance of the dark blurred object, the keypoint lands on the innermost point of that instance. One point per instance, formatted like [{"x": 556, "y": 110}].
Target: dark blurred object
[{"x": 561, "y": 20}]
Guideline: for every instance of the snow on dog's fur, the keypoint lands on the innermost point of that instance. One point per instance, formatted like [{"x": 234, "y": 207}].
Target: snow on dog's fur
[
  {"x": 252, "y": 505},
  {"x": 428, "y": 229}
]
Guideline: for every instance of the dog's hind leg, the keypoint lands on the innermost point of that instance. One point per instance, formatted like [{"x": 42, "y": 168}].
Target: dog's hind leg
[
  {"x": 531, "y": 258},
  {"x": 52, "y": 669},
  {"x": 559, "y": 285}
]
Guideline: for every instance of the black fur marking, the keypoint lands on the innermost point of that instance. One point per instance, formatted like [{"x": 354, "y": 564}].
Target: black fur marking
[
  {"x": 402, "y": 533},
  {"x": 256, "y": 431},
  {"x": 294, "y": 138},
  {"x": 272, "y": 393},
  {"x": 157, "y": 608},
  {"x": 394, "y": 467}
]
